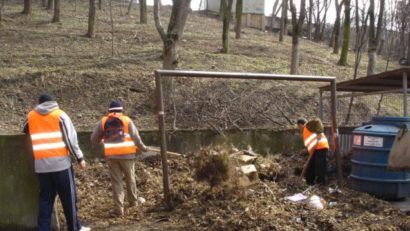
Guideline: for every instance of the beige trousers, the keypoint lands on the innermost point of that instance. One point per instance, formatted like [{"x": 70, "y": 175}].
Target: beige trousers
[{"x": 118, "y": 169}]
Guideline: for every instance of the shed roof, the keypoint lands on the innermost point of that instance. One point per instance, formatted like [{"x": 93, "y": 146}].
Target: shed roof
[{"x": 385, "y": 81}]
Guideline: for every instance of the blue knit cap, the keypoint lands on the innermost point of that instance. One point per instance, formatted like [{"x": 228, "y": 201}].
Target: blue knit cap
[{"x": 115, "y": 106}]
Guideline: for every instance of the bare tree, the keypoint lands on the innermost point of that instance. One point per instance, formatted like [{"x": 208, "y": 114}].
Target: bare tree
[
  {"x": 27, "y": 7},
  {"x": 100, "y": 4},
  {"x": 91, "y": 19},
  {"x": 112, "y": 30},
  {"x": 129, "y": 7},
  {"x": 227, "y": 6},
  {"x": 2, "y": 2},
  {"x": 361, "y": 18},
  {"x": 346, "y": 35},
  {"x": 43, "y": 3},
  {"x": 171, "y": 38},
  {"x": 374, "y": 35},
  {"x": 336, "y": 28},
  {"x": 56, "y": 16},
  {"x": 238, "y": 14},
  {"x": 327, "y": 4},
  {"x": 275, "y": 11},
  {"x": 50, "y": 4},
  {"x": 283, "y": 20},
  {"x": 297, "y": 29},
  {"x": 310, "y": 17},
  {"x": 317, "y": 19},
  {"x": 143, "y": 12}
]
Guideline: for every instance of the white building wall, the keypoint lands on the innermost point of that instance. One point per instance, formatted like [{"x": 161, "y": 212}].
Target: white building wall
[{"x": 249, "y": 6}]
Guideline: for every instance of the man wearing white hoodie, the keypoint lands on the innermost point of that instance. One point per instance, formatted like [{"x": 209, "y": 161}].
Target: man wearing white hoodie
[{"x": 53, "y": 138}]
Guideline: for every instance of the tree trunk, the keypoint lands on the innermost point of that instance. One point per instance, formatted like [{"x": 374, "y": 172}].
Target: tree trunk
[
  {"x": 238, "y": 13},
  {"x": 294, "y": 66},
  {"x": 309, "y": 25},
  {"x": 337, "y": 27},
  {"x": 374, "y": 35},
  {"x": 91, "y": 19},
  {"x": 129, "y": 7},
  {"x": 170, "y": 39},
  {"x": 143, "y": 11},
  {"x": 283, "y": 20},
  {"x": 227, "y": 4},
  {"x": 50, "y": 4},
  {"x": 408, "y": 50},
  {"x": 100, "y": 4},
  {"x": 2, "y": 2},
  {"x": 297, "y": 25},
  {"x": 56, "y": 17},
  {"x": 346, "y": 35},
  {"x": 332, "y": 37},
  {"x": 44, "y": 3},
  {"x": 27, "y": 7},
  {"x": 275, "y": 10}
]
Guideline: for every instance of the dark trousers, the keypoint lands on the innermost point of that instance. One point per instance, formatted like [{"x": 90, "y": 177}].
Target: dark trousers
[
  {"x": 316, "y": 170},
  {"x": 51, "y": 184}
]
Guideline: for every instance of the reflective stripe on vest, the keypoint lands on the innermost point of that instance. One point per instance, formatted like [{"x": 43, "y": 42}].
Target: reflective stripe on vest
[
  {"x": 312, "y": 143},
  {"x": 123, "y": 148},
  {"x": 46, "y": 136}
]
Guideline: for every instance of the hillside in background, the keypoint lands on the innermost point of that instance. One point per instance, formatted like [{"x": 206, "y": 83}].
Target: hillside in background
[{"x": 37, "y": 56}]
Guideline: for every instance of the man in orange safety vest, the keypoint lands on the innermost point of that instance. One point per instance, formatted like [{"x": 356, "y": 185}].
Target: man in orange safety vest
[
  {"x": 317, "y": 146},
  {"x": 121, "y": 141}
]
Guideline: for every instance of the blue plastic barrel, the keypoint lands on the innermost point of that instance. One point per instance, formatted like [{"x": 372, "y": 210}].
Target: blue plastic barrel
[{"x": 371, "y": 147}]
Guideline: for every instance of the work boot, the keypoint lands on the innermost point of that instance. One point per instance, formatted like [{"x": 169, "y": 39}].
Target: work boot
[{"x": 117, "y": 213}]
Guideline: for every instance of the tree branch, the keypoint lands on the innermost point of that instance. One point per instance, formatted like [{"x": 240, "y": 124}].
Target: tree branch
[{"x": 157, "y": 19}]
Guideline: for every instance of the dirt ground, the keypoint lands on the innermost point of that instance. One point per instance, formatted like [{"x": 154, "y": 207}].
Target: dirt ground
[
  {"x": 37, "y": 56},
  {"x": 261, "y": 205}
]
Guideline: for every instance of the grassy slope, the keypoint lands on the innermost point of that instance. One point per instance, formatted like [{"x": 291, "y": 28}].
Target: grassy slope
[{"x": 37, "y": 56}]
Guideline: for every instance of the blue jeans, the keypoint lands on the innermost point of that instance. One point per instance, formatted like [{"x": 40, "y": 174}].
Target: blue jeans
[{"x": 63, "y": 184}]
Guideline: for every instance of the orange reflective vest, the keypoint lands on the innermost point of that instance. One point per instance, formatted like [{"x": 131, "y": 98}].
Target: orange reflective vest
[
  {"x": 46, "y": 136},
  {"x": 312, "y": 143},
  {"x": 125, "y": 147}
]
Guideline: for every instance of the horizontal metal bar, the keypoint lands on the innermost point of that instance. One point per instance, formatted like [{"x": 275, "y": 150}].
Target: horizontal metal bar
[
  {"x": 348, "y": 95},
  {"x": 240, "y": 75}
]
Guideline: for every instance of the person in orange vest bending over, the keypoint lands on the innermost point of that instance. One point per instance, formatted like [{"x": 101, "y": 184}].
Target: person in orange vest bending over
[
  {"x": 121, "y": 141},
  {"x": 317, "y": 146},
  {"x": 53, "y": 138}
]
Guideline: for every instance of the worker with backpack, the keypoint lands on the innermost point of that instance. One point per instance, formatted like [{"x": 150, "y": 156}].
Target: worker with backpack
[{"x": 121, "y": 142}]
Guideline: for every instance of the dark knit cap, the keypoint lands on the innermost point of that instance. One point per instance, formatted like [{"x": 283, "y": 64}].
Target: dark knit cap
[
  {"x": 115, "y": 106},
  {"x": 302, "y": 121},
  {"x": 44, "y": 98}
]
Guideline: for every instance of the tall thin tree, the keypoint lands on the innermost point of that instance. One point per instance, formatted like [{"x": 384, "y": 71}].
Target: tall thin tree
[
  {"x": 297, "y": 29},
  {"x": 2, "y": 2},
  {"x": 238, "y": 14},
  {"x": 27, "y": 7},
  {"x": 91, "y": 19},
  {"x": 335, "y": 41},
  {"x": 56, "y": 16},
  {"x": 346, "y": 35},
  {"x": 143, "y": 12},
  {"x": 283, "y": 20},
  {"x": 171, "y": 38},
  {"x": 227, "y": 6},
  {"x": 50, "y": 4},
  {"x": 374, "y": 35}
]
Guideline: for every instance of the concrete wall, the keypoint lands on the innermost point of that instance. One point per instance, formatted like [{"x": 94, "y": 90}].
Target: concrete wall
[{"x": 19, "y": 185}]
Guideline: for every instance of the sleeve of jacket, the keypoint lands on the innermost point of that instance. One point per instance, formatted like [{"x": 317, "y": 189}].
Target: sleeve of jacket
[
  {"x": 70, "y": 137},
  {"x": 97, "y": 135},
  {"x": 136, "y": 136}
]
